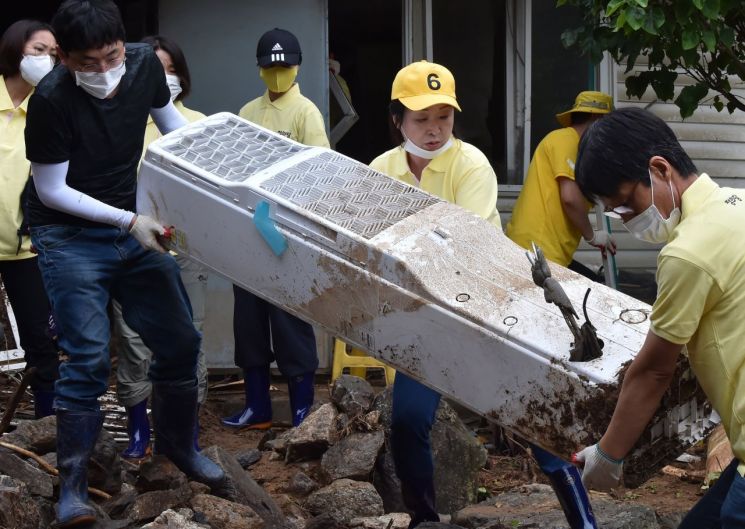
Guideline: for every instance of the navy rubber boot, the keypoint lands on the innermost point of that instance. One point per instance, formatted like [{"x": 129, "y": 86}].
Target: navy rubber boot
[
  {"x": 175, "y": 416},
  {"x": 419, "y": 499},
  {"x": 138, "y": 429},
  {"x": 43, "y": 403},
  {"x": 567, "y": 484},
  {"x": 257, "y": 414},
  {"x": 196, "y": 432},
  {"x": 301, "y": 396},
  {"x": 77, "y": 432}
]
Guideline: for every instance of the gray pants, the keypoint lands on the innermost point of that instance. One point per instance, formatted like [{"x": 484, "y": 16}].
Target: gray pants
[{"x": 132, "y": 382}]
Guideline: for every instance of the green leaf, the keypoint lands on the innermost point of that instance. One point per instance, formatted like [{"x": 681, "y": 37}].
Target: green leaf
[
  {"x": 689, "y": 98},
  {"x": 711, "y": 9},
  {"x": 683, "y": 12},
  {"x": 560, "y": 3},
  {"x": 710, "y": 40},
  {"x": 620, "y": 20},
  {"x": 649, "y": 26},
  {"x": 613, "y": 6},
  {"x": 663, "y": 83},
  {"x": 727, "y": 36},
  {"x": 718, "y": 104},
  {"x": 637, "y": 85},
  {"x": 731, "y": 106},
  {"x": 690, "y": 38},
  {"x": 569, "y": 37},
  {"x": 699, "y": 4},
  {"x": 635, "y": 17},
  {"x": 642, "y": 3}
]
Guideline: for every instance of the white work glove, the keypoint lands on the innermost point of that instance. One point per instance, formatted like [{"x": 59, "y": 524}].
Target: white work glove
[
  {"x": 601, "y": 472},
  {"x": 147, "y": 231},
  {"x": 604, "y": 241}
]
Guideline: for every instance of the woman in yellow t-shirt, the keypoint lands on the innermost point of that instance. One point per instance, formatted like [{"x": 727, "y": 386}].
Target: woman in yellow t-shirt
[
  {"x": 27, "y": 53},
  {"x": 133, "y": 386},
  {"x": 422, "y": 109}
]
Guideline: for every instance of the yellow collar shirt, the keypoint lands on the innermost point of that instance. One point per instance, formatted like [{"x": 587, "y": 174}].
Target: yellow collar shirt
[
  {"x": 701, "y": 298},
  {"x": 292, "y": 115},
  {"x": 151, "y": 131},
  {"x": 538, "y": 215},
  {"x": 14, "y": 172},
  {"x": 461, "y": 175}
]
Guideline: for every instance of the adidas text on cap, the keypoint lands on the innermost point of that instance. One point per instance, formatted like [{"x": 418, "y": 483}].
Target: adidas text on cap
[
  {"x": 423, "y": 84},
  {"x": 278, "y": 46}
]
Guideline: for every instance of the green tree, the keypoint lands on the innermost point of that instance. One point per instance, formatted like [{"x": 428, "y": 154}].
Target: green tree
[{"x": 703, "y": 38}]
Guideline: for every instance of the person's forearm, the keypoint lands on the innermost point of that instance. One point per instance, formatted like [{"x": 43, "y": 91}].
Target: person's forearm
[
  {"x": 579, "y": 219},
  {"x": 640, "y": 397}
]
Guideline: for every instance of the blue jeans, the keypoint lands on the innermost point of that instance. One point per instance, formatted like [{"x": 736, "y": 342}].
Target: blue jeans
[
  {"x": 723, "y": 506},
  {"x": 412, "y": 416},
  {"x": 83, "y": 268}
]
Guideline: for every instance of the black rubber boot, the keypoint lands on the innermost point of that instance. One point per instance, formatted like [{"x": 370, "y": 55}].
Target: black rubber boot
[
  {"x": 76, "y": 437},
  {"x": 175, "y": 416},
  {"x": 419, "y": 498}
]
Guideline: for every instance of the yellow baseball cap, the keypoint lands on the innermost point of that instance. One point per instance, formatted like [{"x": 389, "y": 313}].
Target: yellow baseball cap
[
  {"x": 423, "y": 84},
  {"x": 589, "y": 101}
]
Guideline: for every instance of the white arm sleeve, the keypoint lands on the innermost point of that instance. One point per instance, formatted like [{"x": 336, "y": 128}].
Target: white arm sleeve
[
  {"x": 51, "y": 186},
  {"x": 167, "y": 118}
]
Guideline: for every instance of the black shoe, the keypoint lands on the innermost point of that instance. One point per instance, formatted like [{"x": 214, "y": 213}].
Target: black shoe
[
  {"x": 175, "y": 417},
  {"x": 419, "y": 498},
  {"x": 76, "y": 437}
]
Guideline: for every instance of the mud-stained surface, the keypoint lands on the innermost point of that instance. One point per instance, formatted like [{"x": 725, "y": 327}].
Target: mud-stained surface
[{"x": 554, "y": 412}]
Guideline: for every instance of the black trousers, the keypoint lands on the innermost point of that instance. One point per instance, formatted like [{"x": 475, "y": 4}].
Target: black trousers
[
  {"x": 264, "y": 333},
  {"x": 23, "y": 284}
]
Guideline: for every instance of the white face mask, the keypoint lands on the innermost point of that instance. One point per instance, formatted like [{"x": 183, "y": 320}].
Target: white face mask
[
  {"x": 35, "y": 67},
  {"x": 649, "y": 225},
  {"x": 174, "y": 85},
  {"x": 100, "y": 84},
  {"x": 416, "y": 150}
]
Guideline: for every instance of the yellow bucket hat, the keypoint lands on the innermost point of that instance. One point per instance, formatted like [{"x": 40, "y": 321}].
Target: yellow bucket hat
[
  {"x": 423, "y": 84},
  {"x": 590, "y": 102}
]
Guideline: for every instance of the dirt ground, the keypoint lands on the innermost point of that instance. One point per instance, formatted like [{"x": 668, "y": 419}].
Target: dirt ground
[{"x": 504, "y": 470}]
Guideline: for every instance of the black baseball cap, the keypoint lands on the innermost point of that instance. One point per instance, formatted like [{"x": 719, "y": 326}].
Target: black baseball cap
[{"x": 278, "y": 46}]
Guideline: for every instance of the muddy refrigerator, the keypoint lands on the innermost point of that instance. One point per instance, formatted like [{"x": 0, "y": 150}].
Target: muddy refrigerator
[{"x": 417, "y": 282}]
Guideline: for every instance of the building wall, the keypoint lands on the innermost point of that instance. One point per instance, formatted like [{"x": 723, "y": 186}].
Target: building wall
[{"x": 219, "y": 40}]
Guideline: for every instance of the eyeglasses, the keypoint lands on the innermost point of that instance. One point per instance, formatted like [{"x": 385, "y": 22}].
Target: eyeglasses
[{"x": 107, "y": 65}]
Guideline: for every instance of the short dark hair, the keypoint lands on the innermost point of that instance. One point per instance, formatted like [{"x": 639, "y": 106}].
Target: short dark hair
[
  {"x": 580, "y": 118},
  {"x": 87, "y": 25},
  {"x": 14, "y": 40},
  {"x": 159, "y": 42},
  {"x": 618, "y": 148}
]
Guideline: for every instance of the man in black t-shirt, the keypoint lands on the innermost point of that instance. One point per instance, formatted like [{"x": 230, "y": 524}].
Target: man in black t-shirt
[{"x": 84, "y": 134}]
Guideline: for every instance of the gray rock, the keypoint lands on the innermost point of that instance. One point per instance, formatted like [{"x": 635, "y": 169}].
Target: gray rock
[
  {"x": 174, "y": 520},
  {"x": 441, "y": 525},
  {"x": 38, "y": 481},
  {"x": 39, "y": 436},
  {"x": 241, "y": 488},
  {"x": 354, "y": 456},
  {"x": 198, "y": 488},
  {"x": 352, "y": 395},
  {"x": 150, "y": 504},
  {"x": 224, "y": 514},
  {"x": 249, "y": 457},
  {"x": 345, "y": 499},
  {"x": 394, "y": 520},
  {"x": 119, "y": 503},
  {"x": 536, "y": 506},
  {"x": 17, "y": 509},
  {"x": 325, "y": 521},
  {"x": 311, "y": 439},
  {"x": 269, "y": 435},
  {"x": 457, "y": 455},
  {"x": 301, "y": 484},
  {"x": 105, "y": 466},
  {"x": 158, "y": 473},
  {"x": 670, "y": 520},
  {"x": 278, "y": 443}
]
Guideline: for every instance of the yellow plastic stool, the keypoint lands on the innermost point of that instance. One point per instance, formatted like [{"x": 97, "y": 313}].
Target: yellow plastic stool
[{"x": 357, "y": 362}]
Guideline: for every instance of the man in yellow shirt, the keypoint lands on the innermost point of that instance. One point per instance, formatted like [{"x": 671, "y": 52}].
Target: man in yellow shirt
[
  {"x": 632, "y": 163},
  {"x": 551, "y": 210},
  {"x": 262, "y": 331}
]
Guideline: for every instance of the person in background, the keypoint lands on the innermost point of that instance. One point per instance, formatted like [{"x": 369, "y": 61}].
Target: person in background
[
  {"x": 132, "y": 384},
  {"x": 551, "y": 210},
  {"x": 84, "y": 134},
  {"x": 632, "y": 164},
  {"x": 262, "y": 331},
  {"x": 28, "y": 51},
  {"x": 428, "y": 156}
]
